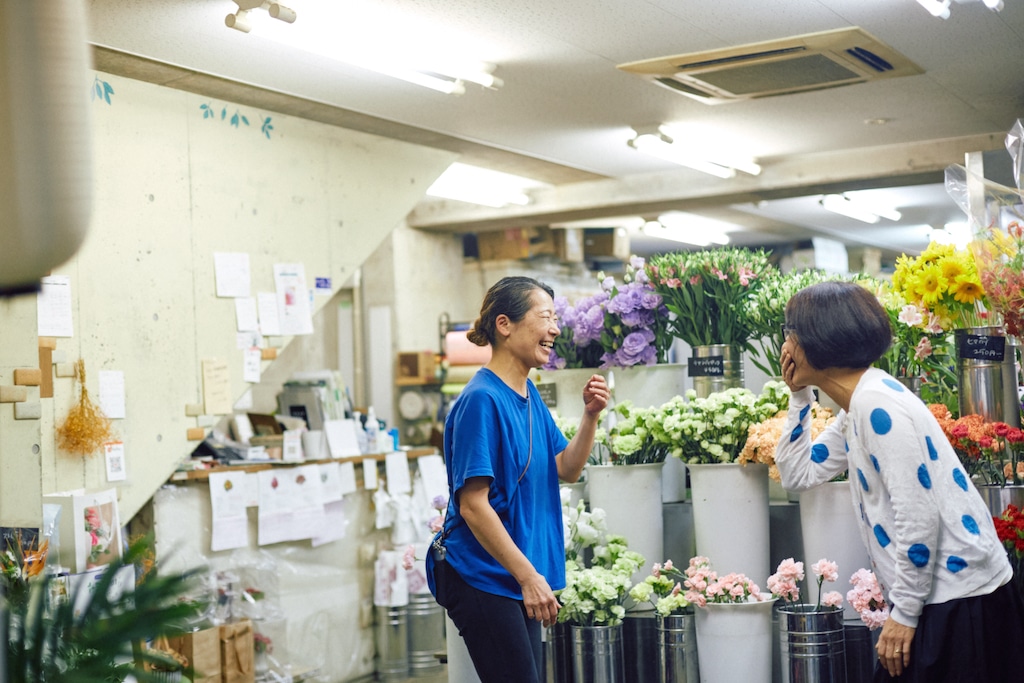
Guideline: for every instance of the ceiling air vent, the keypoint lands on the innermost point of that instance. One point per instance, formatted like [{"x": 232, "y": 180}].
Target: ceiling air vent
[{"x": 798, "y": 64}]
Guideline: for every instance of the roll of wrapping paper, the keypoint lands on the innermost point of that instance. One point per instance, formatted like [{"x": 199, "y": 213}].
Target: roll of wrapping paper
[
  {"x": 460, "y": 374},
  {"x": 460, "y": 351}
]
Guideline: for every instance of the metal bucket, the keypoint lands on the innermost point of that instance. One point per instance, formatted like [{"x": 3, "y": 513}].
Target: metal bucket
[
  {"x": 640, "y": 646},
  {"x": 392, "y": 639},
  {"x": 860, "y": 652},
  {"x": 597, "y": 654},
  {"x": 998, "y": 497},
  {"x": 677, "y": 649},
  {"x": 715, "y": 367},
  {"x": 987, "y": 374},
  {"x": 812, "y": 644},
  {"x": 558, "y": 654},
  {"x": 426, "y": 635}
]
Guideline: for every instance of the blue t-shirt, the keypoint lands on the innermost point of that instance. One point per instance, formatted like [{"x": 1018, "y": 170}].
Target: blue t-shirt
[{"x": 487, "y": 434}]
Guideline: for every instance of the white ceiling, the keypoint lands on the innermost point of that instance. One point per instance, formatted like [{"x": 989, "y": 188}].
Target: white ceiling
[{"x": 564, "y": 112}]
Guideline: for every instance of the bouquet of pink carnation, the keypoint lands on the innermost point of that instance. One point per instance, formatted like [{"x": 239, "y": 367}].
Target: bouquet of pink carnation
[
  {"x": 704, "y": 585},
  {"x": 663, "y": 590},
  {"x": 784, "y": 583},
  {"x": 866, "y": 597}
]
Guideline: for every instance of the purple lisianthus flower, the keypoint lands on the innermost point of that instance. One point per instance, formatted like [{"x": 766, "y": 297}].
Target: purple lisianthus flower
[
  {"x": 638, "y": 318},
  {"x": 650, "y": 299},
  {"x": 637, "y": 349},
  {"x": 629, "y": 298}
]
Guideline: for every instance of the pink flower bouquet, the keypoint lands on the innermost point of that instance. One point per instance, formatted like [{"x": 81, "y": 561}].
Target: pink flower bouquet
[
  {"x": 704, "y": 585},
  {"x": 785, "y": 582},
  {"x": 866, "y": 597}
]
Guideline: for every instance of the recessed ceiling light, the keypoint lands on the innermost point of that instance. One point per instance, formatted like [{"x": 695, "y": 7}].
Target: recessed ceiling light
[{"x": 876, "y": 122}]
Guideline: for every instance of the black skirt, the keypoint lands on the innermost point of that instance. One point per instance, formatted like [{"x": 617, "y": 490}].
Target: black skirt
[{"x": 971, "y": 640}]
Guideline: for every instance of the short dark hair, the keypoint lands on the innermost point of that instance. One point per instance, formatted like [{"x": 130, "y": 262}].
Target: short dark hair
[
  {"x": 508, "y": 296},
  {"x": 839, "y": 325}
]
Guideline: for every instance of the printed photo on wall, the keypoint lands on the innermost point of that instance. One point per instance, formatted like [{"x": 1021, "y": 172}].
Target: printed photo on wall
[{"x": 97, "y": 529}]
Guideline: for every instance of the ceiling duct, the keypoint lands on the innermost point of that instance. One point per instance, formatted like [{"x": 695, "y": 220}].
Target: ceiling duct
[{"x": 814, "y": 61}]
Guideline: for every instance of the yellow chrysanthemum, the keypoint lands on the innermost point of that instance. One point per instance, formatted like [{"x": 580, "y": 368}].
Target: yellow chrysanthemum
[
  {"x": 904, "y": 265},
  {"x": 952, "y": 268},
  {"x": 967, "y": 290},
  {"x": 931, "y": 284},
  {"x": 936, "y": 252}
]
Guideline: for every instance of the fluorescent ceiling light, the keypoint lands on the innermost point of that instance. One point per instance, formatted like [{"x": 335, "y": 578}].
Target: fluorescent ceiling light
[
  {"x": 658, "y": 143},
  {"x": 856, "y": 209},
  {"x": 689, "y": 228},
  {"x": 631, "y": 223},
  {"x": 385, "y": 42},
  {"x": 936, "y": 8},
  {"x": 957, "y": 234},
  {"x": 476, "y": 185}
]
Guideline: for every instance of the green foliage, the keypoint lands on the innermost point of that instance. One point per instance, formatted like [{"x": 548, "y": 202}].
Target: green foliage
[{"x": 87, "y": 639}]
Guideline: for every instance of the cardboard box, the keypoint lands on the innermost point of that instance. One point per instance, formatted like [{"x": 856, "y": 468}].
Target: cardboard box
[
  {"x": 202, "y": 650},
  {"x": 515, "y": 243},
  {"x": 415, "y": 367},
  {"x": 569, "y": 244},
  {"x": 606, "y": 243},
  {"x": 237, "y": 653}
]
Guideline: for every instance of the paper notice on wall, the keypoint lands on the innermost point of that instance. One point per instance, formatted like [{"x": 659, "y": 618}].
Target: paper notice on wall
[
  {"x": 291, "y": 504},
  {"x": 266, "y": 307},
  {"x": 347, "y": 478},
  {"x": 396, "y": 465},
  {"x": 231, "y": 271},
  {"x": 216, "y": 387},
  {"x": 252, "y": 361},
  {"x": 335, "y": 524},
  {"x": 293, "y": 306},
  {"x": 112, "y": 394},
  {"x": 53, "y": 307},
  {"x": 246, "y": 315},
  {"x": 114, "y": 455},
  {"x": 228, "y": 498},
  {"x": 434, "y": 476}
]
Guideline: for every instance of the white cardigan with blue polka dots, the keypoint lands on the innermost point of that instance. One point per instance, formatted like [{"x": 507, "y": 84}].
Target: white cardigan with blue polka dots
[{"x": 928, "y": 532}]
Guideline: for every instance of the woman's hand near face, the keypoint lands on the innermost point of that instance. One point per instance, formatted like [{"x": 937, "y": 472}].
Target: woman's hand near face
[{"x": 789, "y": 368}]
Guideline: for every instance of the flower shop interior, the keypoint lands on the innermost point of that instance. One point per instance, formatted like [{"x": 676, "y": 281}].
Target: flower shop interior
[{"x": 241, "y": 265}]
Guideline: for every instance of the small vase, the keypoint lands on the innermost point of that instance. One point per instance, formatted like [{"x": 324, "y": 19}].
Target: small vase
[
  {"x": 597, "y": 654},
  {"x": 734, "y": 642},
  {"x": 811, "y": 644},
  {"x": 262, "y": 665}
]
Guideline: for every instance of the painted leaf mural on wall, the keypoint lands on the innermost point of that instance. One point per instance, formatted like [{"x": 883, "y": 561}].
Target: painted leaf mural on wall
[
  {"x": 236, "y": 120},
  {"x": 102, "y": 90}
]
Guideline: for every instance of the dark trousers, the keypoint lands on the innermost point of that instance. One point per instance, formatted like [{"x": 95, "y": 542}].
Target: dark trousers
[
  {"x": 505, "y": 646},
  {"x": 971, "y": 640}
]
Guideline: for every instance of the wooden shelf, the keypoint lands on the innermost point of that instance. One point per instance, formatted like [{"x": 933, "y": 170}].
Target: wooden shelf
[{"x": 199, "y": 475}]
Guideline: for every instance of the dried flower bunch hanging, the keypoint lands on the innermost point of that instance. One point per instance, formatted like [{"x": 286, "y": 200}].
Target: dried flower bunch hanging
[{"x": 86, "y": 428}]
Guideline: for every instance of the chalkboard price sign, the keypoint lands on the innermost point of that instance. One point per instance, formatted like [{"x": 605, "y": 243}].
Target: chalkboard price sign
[
  {"x": 549, "y": 393},
  {"x": 709, "y": 366},
  {"x": 982, "y": 347}
]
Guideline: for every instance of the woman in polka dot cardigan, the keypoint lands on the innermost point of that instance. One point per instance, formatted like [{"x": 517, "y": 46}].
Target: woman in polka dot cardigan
[{"x": 955, "y": 613}]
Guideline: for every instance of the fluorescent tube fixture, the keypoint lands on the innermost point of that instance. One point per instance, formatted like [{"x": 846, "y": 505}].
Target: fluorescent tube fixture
[
  {"x": 475, "y": 185},
  {"x": 240, "y": 20},
  {"x": 371, "y": 39},
  {"x": 657, "y": 143},
  {"x": 688, "y": 228},
  {"x": 937, "y": 8},
  {"x": 844, "y": 206}
]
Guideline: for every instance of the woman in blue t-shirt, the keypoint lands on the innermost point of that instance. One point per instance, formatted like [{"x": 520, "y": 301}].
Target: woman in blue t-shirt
[
  {"x": 501, "y": 555},
  {"x": 955, "y": 613}
]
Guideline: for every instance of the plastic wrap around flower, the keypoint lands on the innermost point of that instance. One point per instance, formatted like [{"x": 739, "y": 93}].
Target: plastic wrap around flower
[{"x": 996, "y": 216}]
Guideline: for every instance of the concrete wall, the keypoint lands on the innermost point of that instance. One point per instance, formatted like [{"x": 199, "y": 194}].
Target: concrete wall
[{"x": 178, "y": 178}]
